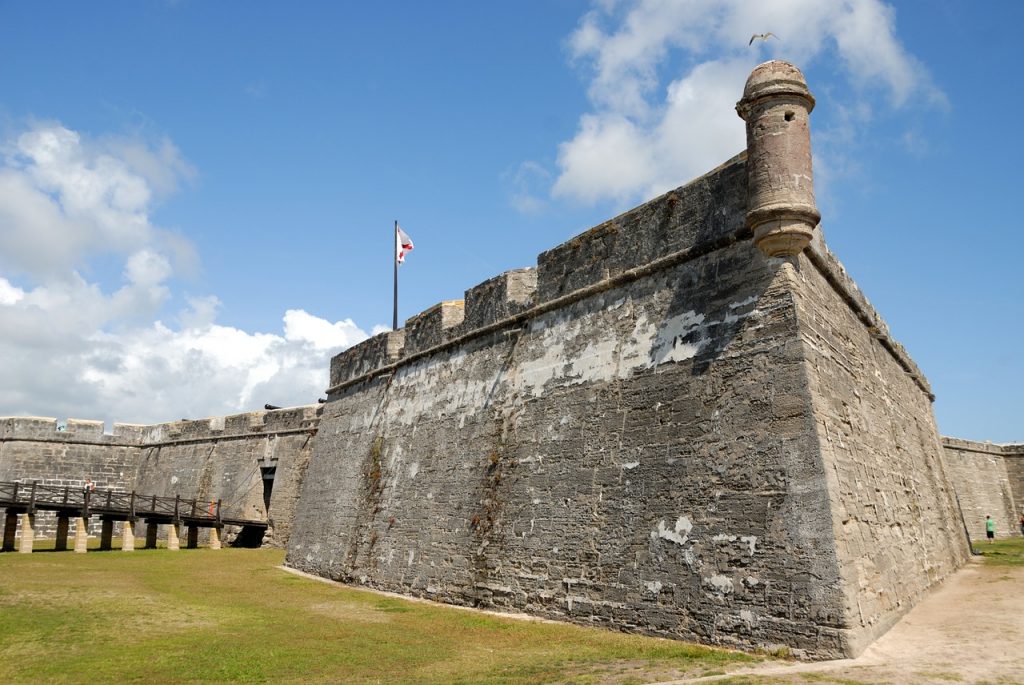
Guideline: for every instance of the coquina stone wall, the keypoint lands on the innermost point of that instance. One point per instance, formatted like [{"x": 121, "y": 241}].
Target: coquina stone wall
[
  {"x": 33, "y": 449},
  {"x": 1013, "y": 456},
  {"x": 218, "y": 458},
  {"x": 892, "y": 507},
  {"x": 671, "y": 434},
  {"x": 980, "y": 473}
]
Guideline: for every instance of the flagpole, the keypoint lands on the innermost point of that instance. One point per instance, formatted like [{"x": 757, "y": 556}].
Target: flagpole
[{"x": 394, "y": 259}]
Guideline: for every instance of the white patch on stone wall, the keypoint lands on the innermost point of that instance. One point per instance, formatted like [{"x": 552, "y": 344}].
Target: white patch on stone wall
[
  {"x": 748, "y": 617},
  {"x": 414, "y": 468},
  {"x": 669, "y": 345},
  {"x": 174, "y": 480},
  {"x": 412, "y": 555},
  {"x": 679, "y": 534},
  {"x": 652, "y": 586},
  {"x": 454, "y": 386},
  {"x": 630, "y": 465},
  {"x": 435, "y": 386},
  {"x": 750, "y": 540},
  {"x": 721, "y": 585},
  {"x": 724, "y": 537},
  {"x": 595, "y": 363},
  {"x": 751, "y": 581},
  {"x": 743, "y": 303}
]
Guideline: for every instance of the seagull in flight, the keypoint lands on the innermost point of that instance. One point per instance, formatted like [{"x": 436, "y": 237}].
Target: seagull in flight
[{"x": 762, "y": 36}]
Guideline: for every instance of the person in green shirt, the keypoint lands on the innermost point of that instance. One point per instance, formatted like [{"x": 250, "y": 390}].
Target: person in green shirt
[{"x": 990, "y": 529}]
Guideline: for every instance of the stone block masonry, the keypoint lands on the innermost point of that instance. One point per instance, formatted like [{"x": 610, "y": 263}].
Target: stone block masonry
[
  {"x": 666, "y": 427},
  {"x": 230, "y": 458},
  {"x": 686, "y": 421},
  {"x": 987, "y": 480}
]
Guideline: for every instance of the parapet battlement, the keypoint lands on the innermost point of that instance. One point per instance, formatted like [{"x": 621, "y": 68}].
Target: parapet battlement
[
  {"x": 79, "y": 431},
  {"x": 994, "y": 449},
  {"x": 678, "y": 225},
  {"x": 700, "y": 217}
]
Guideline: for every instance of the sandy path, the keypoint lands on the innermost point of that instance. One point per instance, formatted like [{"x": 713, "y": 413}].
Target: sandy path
[{"x": 970, "y": 630}]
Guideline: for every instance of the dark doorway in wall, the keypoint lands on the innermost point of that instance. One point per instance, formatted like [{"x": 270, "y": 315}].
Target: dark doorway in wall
[
  {"x": 267, "y": 472},
  {"x": 249, "y": 536}
]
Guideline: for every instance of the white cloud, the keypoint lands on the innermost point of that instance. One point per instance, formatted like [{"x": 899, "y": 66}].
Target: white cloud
[
  {"x": 71, "y": 348},
  {"x": 647, "y": 134},
  {"x": 56, "y": 361},
  {"x": 320, "y": 334},
  {"x": 9, "y": 294},
  {"x": 158, "y": 373},
  {"x": 524, "y": 185},
  {"x": 64, "y": 199}
]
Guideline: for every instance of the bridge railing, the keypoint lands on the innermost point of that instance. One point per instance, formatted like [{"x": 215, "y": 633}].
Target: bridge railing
[{"x": 108, "y": 502}]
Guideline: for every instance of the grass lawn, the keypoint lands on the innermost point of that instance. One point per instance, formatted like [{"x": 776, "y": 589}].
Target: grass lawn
[
  {"x": 1005, "y": 552},
  {"x": 201, "y": 616}
]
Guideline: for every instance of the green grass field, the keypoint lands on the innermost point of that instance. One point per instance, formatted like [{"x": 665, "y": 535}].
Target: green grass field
[
  {"x": 204, "y": 616},
  {"x": 1004, "y": 552}
]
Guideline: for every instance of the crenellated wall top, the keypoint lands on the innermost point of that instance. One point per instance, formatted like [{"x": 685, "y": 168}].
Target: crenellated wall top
[
  {"x": 698, "y": 217},
  {"x": 995, "y": 449},
  {"x": 81, "y": 431}
]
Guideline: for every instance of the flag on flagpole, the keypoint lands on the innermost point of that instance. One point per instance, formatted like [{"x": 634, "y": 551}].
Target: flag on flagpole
[{"x": 403, "y": 244}]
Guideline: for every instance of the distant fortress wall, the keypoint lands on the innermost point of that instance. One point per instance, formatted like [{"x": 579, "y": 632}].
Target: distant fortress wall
[
  {"x": 32, "y": 448},
  {"x": 1013, "y": 456},
  {"x": 231, "y": 458},
  {"x": 988, "y": 482}
]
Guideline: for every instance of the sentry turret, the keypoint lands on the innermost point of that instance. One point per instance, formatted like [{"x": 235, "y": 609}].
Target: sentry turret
[{"x": 776, "y": 105}]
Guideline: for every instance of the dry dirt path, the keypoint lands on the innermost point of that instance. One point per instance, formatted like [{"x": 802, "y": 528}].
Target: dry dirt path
[{"x": 970, "y": 630}]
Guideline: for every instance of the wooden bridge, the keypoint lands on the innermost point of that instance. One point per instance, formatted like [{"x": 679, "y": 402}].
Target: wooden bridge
[{"x": 25, "y": 499}]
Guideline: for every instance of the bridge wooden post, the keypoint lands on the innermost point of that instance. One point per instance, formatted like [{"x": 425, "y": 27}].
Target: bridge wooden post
[
  {"x": 151, "y": 532},
  {"x": 172, "y": 536},
  {"x": 81, "y": 534},
  {"x": 215, "y": 537},
  {"x": 106, "y": 534},
  {"x": 61, "y": 542},
  {"x": 28, "y": 533},
  {"x": 128, "y": 536},
  {"x": 10, "y": 530},
  {"x": 192, "y": 541}
]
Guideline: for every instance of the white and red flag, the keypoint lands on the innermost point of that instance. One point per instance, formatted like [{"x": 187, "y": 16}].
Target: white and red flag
[{"x": 403, "y": 244}]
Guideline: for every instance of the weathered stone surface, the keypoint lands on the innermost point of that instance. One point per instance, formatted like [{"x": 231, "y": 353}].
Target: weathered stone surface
[
  {"x": 624, "y": 461},
  {"x": 658, "y": 429},
  {"x": 500, "y": 297},
  {"x": 217, "y": 458},
  {"x": 893, "y": 509},
  {"x": 676, "y": 435},
  {"x": 1013, "y": 456},
  {"x": 647, "y": 452},
  {"x": 31, "y": 448},
  {"x": 776, "y": 105},
  {"x": 434, "y": 326},
  {"x": 700, "y": 215},
  {"x": 980, "y": 473}
]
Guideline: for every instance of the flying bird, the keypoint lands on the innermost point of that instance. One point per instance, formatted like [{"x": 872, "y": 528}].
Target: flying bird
[{"x": 761, "y": 36}]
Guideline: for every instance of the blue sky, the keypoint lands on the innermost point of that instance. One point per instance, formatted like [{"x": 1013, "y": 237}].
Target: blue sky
[{"x": 196, "y": 199}]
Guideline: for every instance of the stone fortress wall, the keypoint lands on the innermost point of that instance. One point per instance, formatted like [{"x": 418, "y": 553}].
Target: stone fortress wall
[
  {"x": 218, "y": 458},
  {"x": 686, "y": 421},
  {"x": 989, "y": 481}
]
